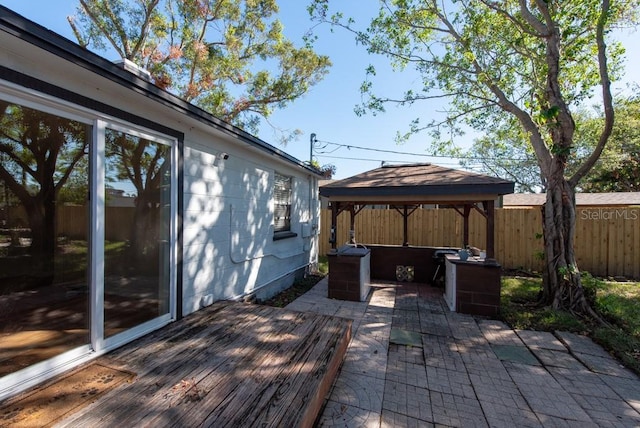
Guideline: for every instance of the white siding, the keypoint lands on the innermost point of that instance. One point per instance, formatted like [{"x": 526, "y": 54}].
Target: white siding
[
  {"x": 227, "y": 232},
  {"x": 229, "y": 251}
]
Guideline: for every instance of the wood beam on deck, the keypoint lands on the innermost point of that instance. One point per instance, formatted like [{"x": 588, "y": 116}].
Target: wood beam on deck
[{"x": 231, "y": 364}]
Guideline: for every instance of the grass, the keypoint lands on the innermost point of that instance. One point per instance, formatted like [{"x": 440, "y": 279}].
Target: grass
[
  {"x": 71, "y": 260},
  {"x": 617, "y": 302},
  {"x": 300, "y": 287}
]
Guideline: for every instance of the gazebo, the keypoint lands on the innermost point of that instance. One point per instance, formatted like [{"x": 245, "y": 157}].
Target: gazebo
[{"x": 406, "y": 188}]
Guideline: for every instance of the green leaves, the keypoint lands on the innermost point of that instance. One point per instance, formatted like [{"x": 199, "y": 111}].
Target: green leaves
[
  {"x": 535, "y": 61},
  {"x": 550, "y": 114},
  {"x": 618, "y": 169}
]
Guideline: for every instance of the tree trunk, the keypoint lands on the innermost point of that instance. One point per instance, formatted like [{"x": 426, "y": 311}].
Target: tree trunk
[
  {"x": 41, "y": 216},
  {"x": 562, "y": 286},
  {"x": 144, "y": 230}
]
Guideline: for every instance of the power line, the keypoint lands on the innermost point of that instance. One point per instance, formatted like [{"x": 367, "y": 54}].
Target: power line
[
  {"x": 383, "y": 160},
  {"x": 467, "y": 158},
  {"x": 396, "y": 152},
  {"x": 349, "y": 146}
]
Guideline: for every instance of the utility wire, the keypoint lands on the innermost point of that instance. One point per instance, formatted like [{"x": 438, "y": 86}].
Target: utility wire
[
  {"x": 349, "y": 146},
  {"x": 396, "y": 152},
  {"x": 468, "y": 158},
  {"x": 390, "y": 161}
]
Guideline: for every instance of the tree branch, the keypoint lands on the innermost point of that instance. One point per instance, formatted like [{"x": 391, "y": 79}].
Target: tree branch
[
  {"x": 144, "y": 29},
  {"x": 107, "y": 34},
  {"x": 607, "y": 99},
  {"x": 69, "y": 169},
  {"x": 496, "y": 8},
  {"x": 542, "y": 153},
  {"x": 535, "y": 23}
]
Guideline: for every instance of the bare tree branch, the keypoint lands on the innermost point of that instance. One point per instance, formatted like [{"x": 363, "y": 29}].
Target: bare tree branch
[
  {"x": 540, "y": 27},
  {"x": 606, "y": 97},
  {"x": 144, "y": 29},
  {"x": 122, "y": 52}
]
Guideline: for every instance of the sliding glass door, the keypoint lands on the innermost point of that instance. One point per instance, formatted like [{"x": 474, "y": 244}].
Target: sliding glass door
[
  {"x": 87, "y": 236},
  {"x": 44, "y": 245},
  {"x": 137, "y": 281}
]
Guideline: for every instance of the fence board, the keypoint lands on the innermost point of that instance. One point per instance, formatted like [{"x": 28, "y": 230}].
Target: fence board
[
  {"x": 628, "y": 255},
  {"x": 618, "y": 262},
  {"x": 583, "y": 239},
  {"x": 612, "y": 245},
  {"x": 635, "y": 247},
  {"x": 606, "y": 244}
]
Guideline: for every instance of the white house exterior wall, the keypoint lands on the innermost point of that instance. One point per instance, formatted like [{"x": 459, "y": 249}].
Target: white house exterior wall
[
  {"x": 226, "y": 230},
  {"x": 229, "y": 251},
  {"x": 228, "y": 247}
]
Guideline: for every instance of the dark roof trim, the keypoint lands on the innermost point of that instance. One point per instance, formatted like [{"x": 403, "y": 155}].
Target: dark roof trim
[
  {"x": 430, "y": 190},
  {"x": 54, "y": 43},
  {"x": 55, "y": 91}
]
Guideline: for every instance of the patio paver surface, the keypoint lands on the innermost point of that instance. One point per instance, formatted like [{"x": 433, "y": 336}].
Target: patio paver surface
[{"x": 413, "y": 363}]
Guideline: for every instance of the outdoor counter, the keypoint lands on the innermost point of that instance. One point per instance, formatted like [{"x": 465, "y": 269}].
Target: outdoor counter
[
  {"x": 472, "y": 286},
  {"x": 350, "y": 277}
]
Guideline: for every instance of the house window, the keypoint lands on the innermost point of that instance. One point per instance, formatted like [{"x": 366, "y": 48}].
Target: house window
[{"x": 282, "y": 206}]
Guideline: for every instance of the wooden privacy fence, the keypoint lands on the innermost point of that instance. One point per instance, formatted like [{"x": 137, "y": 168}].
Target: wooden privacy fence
[
  {"x": 607, "y": 239},
  {"x": 72, "y": 221}
]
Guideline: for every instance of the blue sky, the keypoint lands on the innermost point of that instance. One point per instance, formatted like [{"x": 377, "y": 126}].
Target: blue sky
[{"x": 328, "y": 110}]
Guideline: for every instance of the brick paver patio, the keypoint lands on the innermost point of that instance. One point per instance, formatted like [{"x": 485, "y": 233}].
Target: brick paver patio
[{"x": 413, "y": 363}]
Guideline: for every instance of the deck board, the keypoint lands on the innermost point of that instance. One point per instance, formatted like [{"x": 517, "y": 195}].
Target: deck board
[{"x": 231, "y": 364}]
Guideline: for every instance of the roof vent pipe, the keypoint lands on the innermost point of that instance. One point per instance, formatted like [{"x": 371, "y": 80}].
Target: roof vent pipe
[{"x": 134, "y": 68}]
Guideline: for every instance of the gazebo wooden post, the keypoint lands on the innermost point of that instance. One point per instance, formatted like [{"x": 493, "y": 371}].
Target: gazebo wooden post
[
  {"x": 405, "y": 215},
  {"x": 352, "y": 224},
  {"x": 335, "y": 206},
  {"x": 465, "y": 221},
  {"x": 489, "y": 209}
]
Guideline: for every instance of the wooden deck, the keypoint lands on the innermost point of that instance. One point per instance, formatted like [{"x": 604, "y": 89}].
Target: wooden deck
[{"x": 231, "y": 364}]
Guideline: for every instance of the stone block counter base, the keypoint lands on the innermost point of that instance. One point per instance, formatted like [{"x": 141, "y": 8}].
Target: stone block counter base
[
  {"x": 472, "y": 286},
  {"x": 350, "y": 278}
]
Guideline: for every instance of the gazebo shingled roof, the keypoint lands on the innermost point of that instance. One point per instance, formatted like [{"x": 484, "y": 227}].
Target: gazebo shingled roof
[
  {"x": 411, "y": 185},
  {"x": 416, "y": 183}
]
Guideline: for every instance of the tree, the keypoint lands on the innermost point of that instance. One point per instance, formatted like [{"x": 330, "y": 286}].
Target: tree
[
  {"x": 504, "y": 152},
  {"x": 216, "y": 54},
  {"x": 74, "y": 191},
  {"x": 229, "y": 57},
  {"x": 39, "y": 153},
  {"x": 531, "y": 61},
  {"x": 327, "y": 170},
  {"x": 618, "y": 169},
  {"x": 144, "y": 164}
]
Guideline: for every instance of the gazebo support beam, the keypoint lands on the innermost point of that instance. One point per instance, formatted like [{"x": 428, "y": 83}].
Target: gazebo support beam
[
  {"x": 352, "y": 224},
  {"x": 482, "y": 212},
  {"x": 335, "y": 210},
  {"x": 465, "y": 229},
  {"x": 490, "y": 214},
  {"x": 466, "y": 210},
  {"x": 405, "y": 230},
  {"x": 338, "y": 208},
  {"x": 405, "y": 213}
]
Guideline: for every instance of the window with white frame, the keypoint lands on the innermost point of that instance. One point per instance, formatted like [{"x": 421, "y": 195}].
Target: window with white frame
[{"x": 282, "y": 203}]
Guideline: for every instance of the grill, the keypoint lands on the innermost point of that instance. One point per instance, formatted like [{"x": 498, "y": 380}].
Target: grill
[{"x": 438, "y": 260}]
